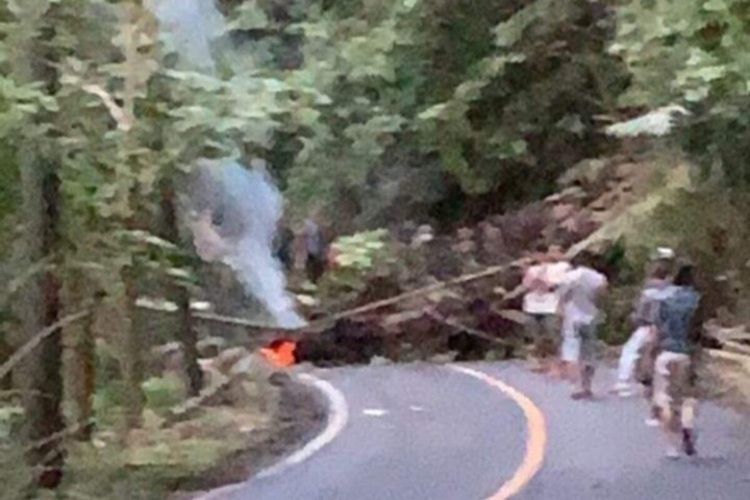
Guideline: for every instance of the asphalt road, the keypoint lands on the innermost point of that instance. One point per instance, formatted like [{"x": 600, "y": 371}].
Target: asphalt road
[{"x": 419, "y": 432}]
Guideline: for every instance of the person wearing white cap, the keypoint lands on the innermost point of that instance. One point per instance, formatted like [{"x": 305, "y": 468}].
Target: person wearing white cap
[{"x": 643, "y": 317}]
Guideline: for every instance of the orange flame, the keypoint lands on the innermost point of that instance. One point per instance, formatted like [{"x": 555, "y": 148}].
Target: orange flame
[{"x": 280, "y": 352}]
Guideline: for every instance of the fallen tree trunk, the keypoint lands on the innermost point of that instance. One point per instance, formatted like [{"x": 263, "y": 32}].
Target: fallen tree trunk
[
  {"x": 471, "y": 331},
  {"x": 742, "y": 359},
  {"x": 737, "y": 348},
  {"x": 373, "y": 306}
]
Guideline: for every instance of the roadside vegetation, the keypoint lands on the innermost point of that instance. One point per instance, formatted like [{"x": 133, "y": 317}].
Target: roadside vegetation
[{"x": 431, "y": 139}]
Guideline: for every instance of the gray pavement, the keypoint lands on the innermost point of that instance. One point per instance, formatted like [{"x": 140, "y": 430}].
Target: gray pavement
[{"x": 419, "y": 432}]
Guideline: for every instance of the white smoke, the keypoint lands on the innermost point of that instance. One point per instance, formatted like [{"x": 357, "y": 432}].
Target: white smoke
[
  {"x": 260, "y": 206},
  {"x": 246, "y": 208},
  {"x": 191, "y": 27},
  {"x": 244, "y": 204}
]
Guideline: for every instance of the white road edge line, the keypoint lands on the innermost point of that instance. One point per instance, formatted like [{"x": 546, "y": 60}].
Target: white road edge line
[{"x": 338, "y": 416}]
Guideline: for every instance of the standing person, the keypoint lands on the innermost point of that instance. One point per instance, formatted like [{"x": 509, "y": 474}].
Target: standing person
[
  {"x": 674, "y": 381},
  {"x": 644, "y": 318},
  {"x": 579, "y": 297},
  {"x": 540, "y": 303},
  {"x": 283, "y": 246},
  {"x": 315, "y": 255}
]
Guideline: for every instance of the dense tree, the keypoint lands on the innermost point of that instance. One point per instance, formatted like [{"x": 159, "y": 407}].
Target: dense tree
[
  {"x": 38, "y": 376},
  {"x": 370, "y": 110},
  {"x": 693, "y": 54},
  {"x": 436, "y": 104}
]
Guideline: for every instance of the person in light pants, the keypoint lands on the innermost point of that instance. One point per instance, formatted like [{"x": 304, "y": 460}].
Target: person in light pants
[{"x": 645, "y": 333}]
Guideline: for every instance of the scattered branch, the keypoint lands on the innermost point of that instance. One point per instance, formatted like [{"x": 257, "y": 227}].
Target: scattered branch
[
  {"x": 736, "y": 348},
  {"x": 37, "y": 339},
  {"x": 68, "y": 431},
  {"x": 229, "y": 320},
  {"x": 124, "y": 121},
  {"x": 419, "y": 292},
  {"x": 13, "y": 393},
  {"x": 471, "y": 331},
  {"x": 742, "y": 359}
]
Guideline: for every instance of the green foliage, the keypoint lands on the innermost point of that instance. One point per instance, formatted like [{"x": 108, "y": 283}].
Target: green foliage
[
  {"x": 618, "y": 308},
  {"x": 14, "y": 476},
  {"x": 360, "y": 250},
  {"x": 11, "y": 418},
  {"x": 163, "y": 393},
  {"x": 710, "y": 227},
  {"x": 360, "y": 259},
  {"x": 492, "y": 93},
  {"x": 693, "y": 53}
]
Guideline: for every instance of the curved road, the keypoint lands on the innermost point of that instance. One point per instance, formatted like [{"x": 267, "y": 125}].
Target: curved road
[{"x": 418, "y": 432}]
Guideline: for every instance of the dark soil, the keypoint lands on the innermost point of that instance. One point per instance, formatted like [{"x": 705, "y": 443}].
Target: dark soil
[
  {"x": 302, "y": 415},
  {"x": 356, "y": 342}
]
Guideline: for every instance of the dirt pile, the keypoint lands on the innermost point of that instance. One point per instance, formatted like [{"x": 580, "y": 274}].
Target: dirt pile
[{"x": 479, "y": 318}]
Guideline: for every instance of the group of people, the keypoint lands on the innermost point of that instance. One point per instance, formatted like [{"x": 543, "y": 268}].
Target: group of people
[{"x": 562, "y": 302}]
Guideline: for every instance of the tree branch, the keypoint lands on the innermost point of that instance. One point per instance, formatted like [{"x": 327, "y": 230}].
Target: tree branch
[
  {"x": 123, "y": 120},
  {"x": 37, "y": 339}
]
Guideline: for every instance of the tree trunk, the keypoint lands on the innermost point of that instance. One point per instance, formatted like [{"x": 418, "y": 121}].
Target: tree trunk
[
  {"x": 189, "y": 339},
  {"x": 79, "y": 362},
  {"x": 187, "y": 334},
  {"x": 131, "y": 352},
  {"x": 38, "y": 376},
  {"x": 38, "y": 305}
]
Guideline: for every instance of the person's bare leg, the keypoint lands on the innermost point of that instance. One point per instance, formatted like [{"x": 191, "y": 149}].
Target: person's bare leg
[
  {"x": 687, "y": 421},
  {"x": 535, "y": 332},
  {"x": 557, "y": 368},
  {"x": 574, "y": 372},
  {"x": 587, "y": 377},
  {"x": 688, "y": 442},
  {"x": 654, "y": 418},
  {"x": 671, "y": 427},
  {"x": 568, "y": 371}
]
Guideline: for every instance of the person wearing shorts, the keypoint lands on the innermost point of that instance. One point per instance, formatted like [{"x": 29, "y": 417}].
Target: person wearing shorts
[
  {"x": 540, "y": 304},
  {"x": 580, "y": 293},
  {"x": 674, "y": 398}
]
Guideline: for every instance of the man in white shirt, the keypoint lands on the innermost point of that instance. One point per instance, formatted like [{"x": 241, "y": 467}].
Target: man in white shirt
[
  {"x": 541, "y": 303},
  {"x": 579, "y": 297}
]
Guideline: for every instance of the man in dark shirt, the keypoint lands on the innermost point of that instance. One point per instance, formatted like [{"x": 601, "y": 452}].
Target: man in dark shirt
[{"x": 673, "y": 380}]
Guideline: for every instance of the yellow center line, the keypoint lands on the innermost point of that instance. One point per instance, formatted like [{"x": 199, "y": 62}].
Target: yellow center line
[{"x": 536, "y": 435}]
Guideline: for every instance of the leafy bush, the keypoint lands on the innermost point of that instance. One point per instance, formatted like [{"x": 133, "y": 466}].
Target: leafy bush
[
  {"x": 359, "y": 251},
  {"x": 445, "y": 103},
  {"x": 10, "y": 420},
  {"x": 617, "y": 309},
  {"x": 164, "y": 392},
  {"x": 692, "y": 54}
]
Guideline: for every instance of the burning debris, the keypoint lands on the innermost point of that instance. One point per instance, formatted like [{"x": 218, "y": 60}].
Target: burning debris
[{"x": 280, "y": 352}]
